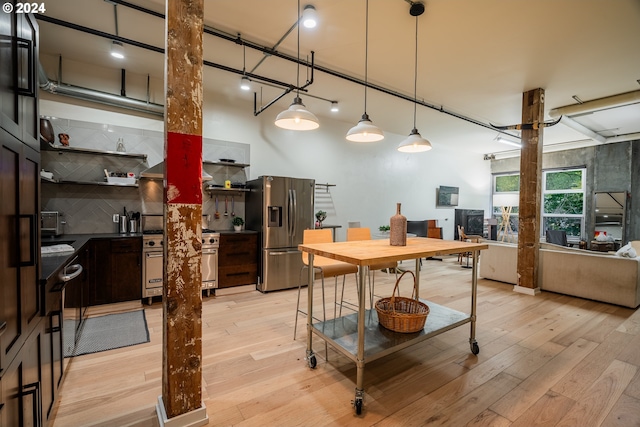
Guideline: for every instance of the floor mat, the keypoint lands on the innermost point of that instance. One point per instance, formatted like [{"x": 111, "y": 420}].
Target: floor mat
[{"x": 106, "y": 333}]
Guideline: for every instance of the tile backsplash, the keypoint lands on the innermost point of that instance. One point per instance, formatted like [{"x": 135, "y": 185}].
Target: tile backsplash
[{"x": 89, "y": 208}]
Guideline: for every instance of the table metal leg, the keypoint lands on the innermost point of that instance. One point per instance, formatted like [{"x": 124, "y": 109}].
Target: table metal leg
[
  {"x": 311, "y": 358},
  {"x": 475, "y": 349},
  {"x": 362, "y": 308},
  {"x": 418, "y": 277}
]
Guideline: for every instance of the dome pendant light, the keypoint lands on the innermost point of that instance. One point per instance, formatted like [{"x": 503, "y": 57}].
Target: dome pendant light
[
  {"x": 415, "y": 143},
  {"x": 297, "y": 117},
  {"x": 365, "y": 130}
]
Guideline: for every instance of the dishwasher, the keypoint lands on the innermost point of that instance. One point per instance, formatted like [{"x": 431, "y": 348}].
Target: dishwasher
[{"x": 71, "y": 312}]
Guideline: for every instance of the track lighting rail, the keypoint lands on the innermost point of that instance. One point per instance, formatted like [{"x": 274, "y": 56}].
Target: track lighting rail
[
  {"x": 290, "y": 89},
  {"x": 235, "y": 39}
]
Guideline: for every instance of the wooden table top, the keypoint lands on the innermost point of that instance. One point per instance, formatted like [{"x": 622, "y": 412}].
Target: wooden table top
[{"x": 368, "y": 252}]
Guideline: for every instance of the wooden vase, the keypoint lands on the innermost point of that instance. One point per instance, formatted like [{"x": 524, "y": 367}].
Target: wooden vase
[{"x": 398, "y": 229}]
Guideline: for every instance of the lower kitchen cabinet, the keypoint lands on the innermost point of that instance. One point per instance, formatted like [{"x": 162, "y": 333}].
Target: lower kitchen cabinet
[
  {"x": 112, "y": 273},
  {"x": 237, "y": 259},
  {"x": 126, "y": 269},
  {"x": 25, "y": 385},
  {"x": 99, "y": 272}
]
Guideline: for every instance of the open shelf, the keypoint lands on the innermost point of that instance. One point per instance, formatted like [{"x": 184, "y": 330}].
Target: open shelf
[
  {"x": 237, "y": 165},
  {"x": 104, "y": 184},
  {"x": 226, "y": 190},
  {"x": 62, "y": 149}
]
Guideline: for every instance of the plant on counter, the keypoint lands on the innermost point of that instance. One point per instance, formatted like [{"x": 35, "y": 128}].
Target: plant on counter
[
  {"x": 237, "y": 222},
  {"x": 321, "y": 215},
  {"x": 384, "y": 228}
]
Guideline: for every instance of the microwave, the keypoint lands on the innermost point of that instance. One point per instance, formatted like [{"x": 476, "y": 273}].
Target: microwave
[{"x": 51, "y": 223}]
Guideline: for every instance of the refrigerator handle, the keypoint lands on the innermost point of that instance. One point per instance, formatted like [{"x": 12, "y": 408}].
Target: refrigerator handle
[
  {"x": 290, "y": 214},
  {"x": 294, "y": 227}
]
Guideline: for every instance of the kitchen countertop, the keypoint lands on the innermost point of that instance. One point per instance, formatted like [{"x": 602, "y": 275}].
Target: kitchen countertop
[{"x": 50, "y": 264}]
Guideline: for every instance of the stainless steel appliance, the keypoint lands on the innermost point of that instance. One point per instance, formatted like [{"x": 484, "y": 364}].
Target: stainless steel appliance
[
  {"x": 153, "y": 266},
  {"x": 280, "y": 208},
  {"x": 210, "y": 245},
  {"x": 51, "y": 223},
  {"x": 153, "y": 256}
]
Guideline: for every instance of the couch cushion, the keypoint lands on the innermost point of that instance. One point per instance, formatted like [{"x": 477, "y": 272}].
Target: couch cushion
[{"x": 499, "y": 262}]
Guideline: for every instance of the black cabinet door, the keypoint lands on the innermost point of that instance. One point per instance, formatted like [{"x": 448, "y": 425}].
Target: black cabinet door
[
  {"x": 18, "y": 77},
  {"x": 126, "y": 269},
  {"x": 100, "y": 272},
  {"x": 22, "y": 386},
  {"x": 19, "y": 257}
]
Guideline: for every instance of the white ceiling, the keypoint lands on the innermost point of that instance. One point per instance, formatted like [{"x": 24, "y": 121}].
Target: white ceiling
[{"x": 476, "y": 58}]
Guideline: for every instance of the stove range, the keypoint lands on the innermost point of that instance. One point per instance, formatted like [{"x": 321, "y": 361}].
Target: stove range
[{"x": 152, "y": 232}]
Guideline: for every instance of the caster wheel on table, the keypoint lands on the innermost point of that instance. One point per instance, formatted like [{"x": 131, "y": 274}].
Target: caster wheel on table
[
  {"x": 357, "y": 404},
  {"x": 475, "y": 349},
  {"x": 312, "y": 361}
]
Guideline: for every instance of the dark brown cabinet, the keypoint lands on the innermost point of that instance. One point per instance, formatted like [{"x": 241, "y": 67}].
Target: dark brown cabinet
[
  {"x": 238, "y": 259},
  {"x": 21, "y": 385},
  {"x": 20, "y": 302},
  {"x": 126, "y": 269},
  {"x": 99, "y": 272},
  {"x": 18, "y": 78},
  {"x": 29, "y": 340},
  {"x": 113, "y": 273}
]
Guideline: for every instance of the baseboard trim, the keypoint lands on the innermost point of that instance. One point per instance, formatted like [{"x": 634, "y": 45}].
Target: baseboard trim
[
  {"x": 527, "y": 291},
  {"x": 196, "y": 418}
]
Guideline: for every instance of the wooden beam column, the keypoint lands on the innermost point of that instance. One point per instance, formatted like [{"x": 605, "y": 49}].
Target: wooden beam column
[
  {"x": 181, "y": 400},
  {"x": 530, "y": 192}
]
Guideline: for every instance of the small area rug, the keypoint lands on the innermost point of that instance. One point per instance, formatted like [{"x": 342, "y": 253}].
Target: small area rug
[{"x": 107, "y": 333}]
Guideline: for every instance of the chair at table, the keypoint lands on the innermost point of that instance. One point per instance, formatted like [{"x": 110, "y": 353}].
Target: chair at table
[
  {"x": 364, "y": 233},
  {"x": 354, "y": 224},
  {"x": 466, "y": 238},
  {"x": 324, "y": 268},
  {"x": 557, "y": 237}
]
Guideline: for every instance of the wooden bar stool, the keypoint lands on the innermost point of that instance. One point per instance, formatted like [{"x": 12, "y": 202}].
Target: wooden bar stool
[
  {"x": 364, "y": 233},
  {"x": 324, "y": 268}
]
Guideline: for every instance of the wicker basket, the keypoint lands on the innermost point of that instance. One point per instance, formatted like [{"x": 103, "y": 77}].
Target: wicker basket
[{"x": 401, "y": 314}]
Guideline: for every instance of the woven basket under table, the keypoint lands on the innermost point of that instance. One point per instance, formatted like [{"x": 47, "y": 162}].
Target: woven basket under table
[{"x": 401, "y": 314}]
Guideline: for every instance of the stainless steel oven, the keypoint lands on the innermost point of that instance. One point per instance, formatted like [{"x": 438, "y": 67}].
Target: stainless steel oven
[
  {"x": 153, "y": 268},
  {"x": 210, "y": 245},
  {"x": 153, "y": 265}
]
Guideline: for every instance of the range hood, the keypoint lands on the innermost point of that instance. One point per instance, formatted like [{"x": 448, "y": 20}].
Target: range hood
[{"x": 157, "y": 172}]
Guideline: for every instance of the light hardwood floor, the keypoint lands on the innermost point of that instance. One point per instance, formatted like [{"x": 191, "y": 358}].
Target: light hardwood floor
[{"x": 548, "y": 360}]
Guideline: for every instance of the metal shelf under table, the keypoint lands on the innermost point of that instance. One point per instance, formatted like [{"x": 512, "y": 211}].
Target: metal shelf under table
[{"x": 379, "y": 341}]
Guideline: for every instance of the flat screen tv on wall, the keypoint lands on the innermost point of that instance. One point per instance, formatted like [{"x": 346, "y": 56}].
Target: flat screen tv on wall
[{"x": 446, "y": 196}]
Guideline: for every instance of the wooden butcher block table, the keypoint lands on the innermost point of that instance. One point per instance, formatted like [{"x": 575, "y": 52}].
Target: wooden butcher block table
[{"x": 358, "y": 336}]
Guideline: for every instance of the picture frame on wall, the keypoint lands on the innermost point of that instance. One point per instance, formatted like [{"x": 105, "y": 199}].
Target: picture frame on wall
[{"x": 447, "y": 196}]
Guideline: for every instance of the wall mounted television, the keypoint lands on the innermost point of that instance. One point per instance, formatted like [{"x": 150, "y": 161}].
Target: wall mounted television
[{"x": 446, "y": 196}]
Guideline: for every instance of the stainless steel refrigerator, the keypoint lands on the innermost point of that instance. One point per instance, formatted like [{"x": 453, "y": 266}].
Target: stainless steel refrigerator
[{"x": 280, "y": 209}]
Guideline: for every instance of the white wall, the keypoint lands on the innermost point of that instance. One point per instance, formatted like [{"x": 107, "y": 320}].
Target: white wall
[{"x": 370, "y": 178}]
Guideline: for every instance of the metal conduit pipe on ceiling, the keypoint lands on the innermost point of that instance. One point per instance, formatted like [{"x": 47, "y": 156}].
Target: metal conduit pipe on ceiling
[
  {"x": 97, "y": 96},
  {"x": 613, "y": 101},
  {"x": 267, "y": 51},
  {"x": 595, "y": 105}
]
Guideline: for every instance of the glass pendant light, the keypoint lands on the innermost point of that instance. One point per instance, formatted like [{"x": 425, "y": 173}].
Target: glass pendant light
[
  {"x": 415, "y": 143},
  {"x": 365, "y": 130},
  {"x": 297, "y": 117}
]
